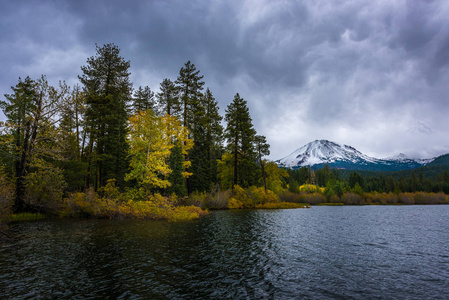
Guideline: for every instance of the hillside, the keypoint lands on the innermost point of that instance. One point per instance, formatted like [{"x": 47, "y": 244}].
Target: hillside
[{"x": 318, "y": 153}]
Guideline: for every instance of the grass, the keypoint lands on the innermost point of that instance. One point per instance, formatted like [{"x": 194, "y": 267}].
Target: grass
[
  {"x": 282, "y": 205},
  {"x": 26, "y": 217}
]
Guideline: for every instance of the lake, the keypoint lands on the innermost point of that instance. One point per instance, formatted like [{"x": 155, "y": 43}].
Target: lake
[{"x": 349, "y": 252}]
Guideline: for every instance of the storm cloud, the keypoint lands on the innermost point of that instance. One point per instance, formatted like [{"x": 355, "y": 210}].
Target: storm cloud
[{"x": 370, "y": 74}]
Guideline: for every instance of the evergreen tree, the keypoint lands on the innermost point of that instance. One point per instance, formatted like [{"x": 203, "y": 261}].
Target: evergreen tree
[
  {"x": 108, "y": 91},
  {"x": 214, "y": 135},
  {"x": 240, "y": 136},
  {"x": 262, "y": 148},
  {"x": 176, "y": 178},
  {"x": 143, "y": 99},
  {"x": 189, "y": 86},
  {"x": 207, "y": 132},
  {"x": 72, "y": 138},
  {"x": 168, "y": 99}
]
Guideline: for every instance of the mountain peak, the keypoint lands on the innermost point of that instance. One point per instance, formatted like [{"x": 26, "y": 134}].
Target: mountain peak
[
  {"x": 400, "y": 157},
  {"x": 320, "y": 152}
]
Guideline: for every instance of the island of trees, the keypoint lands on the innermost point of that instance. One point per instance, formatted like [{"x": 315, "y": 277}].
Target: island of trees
[{"x": 103, "y": 149}]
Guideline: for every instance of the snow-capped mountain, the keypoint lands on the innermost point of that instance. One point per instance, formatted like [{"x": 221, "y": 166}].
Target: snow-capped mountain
[{"x": 320, "y": 152}]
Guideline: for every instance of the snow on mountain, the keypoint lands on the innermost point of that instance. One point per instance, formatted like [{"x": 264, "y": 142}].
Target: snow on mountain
[
  {"x": 324, "y": 151},
  {"x": 320, "y": 152},
  {"x": 399, "y": 157}
]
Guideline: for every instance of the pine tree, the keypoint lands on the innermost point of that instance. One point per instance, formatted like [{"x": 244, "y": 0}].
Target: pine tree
[
  {"x": 20, "y": 109},
  {"x": 168, "y": 99},
  {"x": 108, "y": 91},
  {"x": 72, "y": 138},
  {"x": 208, "y": 134},
  {"x": 214, "y": 135},
  {"x": 240, "y": 136},
  {"x": 189, "y": 85},
  {"x": 143, "y": 99},
  {"x": 176, "y": 178},
  {"x": 262, "y": 148}
]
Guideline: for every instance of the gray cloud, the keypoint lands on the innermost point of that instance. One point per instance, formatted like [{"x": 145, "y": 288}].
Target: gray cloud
[{"x": 371, "y": 74}]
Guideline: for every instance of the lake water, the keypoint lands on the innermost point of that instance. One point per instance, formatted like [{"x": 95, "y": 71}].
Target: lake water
[{"x": 350, "y": 252}]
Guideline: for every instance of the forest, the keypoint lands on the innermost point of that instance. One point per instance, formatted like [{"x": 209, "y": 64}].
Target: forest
[{"x": 104, "y": 149}]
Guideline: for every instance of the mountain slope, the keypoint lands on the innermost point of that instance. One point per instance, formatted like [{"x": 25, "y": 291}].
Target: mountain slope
[{"x": 320, "y": 152}]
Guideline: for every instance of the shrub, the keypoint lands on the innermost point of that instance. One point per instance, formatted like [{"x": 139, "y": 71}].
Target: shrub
[
  {"x": 44, "y": 189},
  {"x": 352, "y": 199},
  {"x": 111, "y": 206},
  {"x": 381, "y": 198},
  {"x": 239, "y": 194},
  {"x": 6, "y": 199},
  {"x": 197, "y": 199},
  {"x": 218, "y": 199},
  {"x": 430, "y": 198},
  {"x": 405, "y": 198},
  {"x": 258, "y": 195},
  {"x": 186, "y": 213},
  {"x": 313, "y": 198},
  {"x": 250, "y": 197},
  {"x": 234, "y": 204},
  {"x": 288, "y": 196},
  {"x": 282, "y": 205},
  {"x": 310, "y": 189},
  {"x": 80, "y": 204}
]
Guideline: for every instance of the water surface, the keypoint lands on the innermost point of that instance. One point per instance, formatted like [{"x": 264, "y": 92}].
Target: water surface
[{"x": 350, "y": 252}]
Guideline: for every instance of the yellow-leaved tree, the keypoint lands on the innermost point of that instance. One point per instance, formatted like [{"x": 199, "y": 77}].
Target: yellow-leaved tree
[{"x": 151, "y": 138}]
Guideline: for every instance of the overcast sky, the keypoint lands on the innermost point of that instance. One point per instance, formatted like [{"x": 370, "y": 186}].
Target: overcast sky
[{"x": 370, "y": 74}]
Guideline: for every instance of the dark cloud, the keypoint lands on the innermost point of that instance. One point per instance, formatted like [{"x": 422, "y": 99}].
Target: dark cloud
[{"x": 365, "y": 73}]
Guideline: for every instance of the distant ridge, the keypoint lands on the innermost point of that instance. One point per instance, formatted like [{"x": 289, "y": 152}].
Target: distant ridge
[{"x": 320, "y": 152}]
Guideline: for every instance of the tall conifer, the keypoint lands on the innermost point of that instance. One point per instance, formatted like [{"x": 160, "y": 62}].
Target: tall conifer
[
  {"x": 189, "y": 85},
  {"x": 143, "y": 99},
  {"x": 108, "y": 91},
  {"x": 168, "y": 99},
  {"x": 240, "y": 136}
]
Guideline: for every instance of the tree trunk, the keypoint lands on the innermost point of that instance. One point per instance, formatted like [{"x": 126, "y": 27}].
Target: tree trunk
[
  {"x": 89, "y": 161},
  {"x": 236, "y": 160},
  {"x": 263, "y": 175}
]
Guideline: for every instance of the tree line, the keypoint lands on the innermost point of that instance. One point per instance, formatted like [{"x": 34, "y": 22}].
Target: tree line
[
  {"x": 61, "y": 140},
  {"x": 339, "y": 181}
]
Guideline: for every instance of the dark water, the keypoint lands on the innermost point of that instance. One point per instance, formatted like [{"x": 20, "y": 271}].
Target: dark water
[{"x": 362, "y": 252}]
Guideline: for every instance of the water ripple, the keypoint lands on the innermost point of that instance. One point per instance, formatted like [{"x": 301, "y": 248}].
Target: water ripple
[{"x": 319, "y": 253}]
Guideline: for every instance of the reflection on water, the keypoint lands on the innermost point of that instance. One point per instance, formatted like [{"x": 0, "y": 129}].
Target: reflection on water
[{"x": 323, "y": 252}]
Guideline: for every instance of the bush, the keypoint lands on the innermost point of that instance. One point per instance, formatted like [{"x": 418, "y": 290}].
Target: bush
[
  {"x": 112, "y": 206},
  {"x": 218, "y": 199},
  {"x": 282, "y": 205},
  {"x": 186, "y": 213},
  {"x": 197, "y": 199},
  {"x": 44, "y": 189},
  {"x": 258, "y": 195},
  {"x": 234, "y": 204},
  {"x": 352, "y": 199},
  {"x": 288, "y": 196},
  {"x": 313, "y": 198},
  {"x": 250, "y": 197},
  {"x": 310, "y": 189},
  {"x": 6, "y": 199},
  {"x": 405, "y": 198},
  {"x": 381, "y": 198},
  {"x": 430, "y": 198}
]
